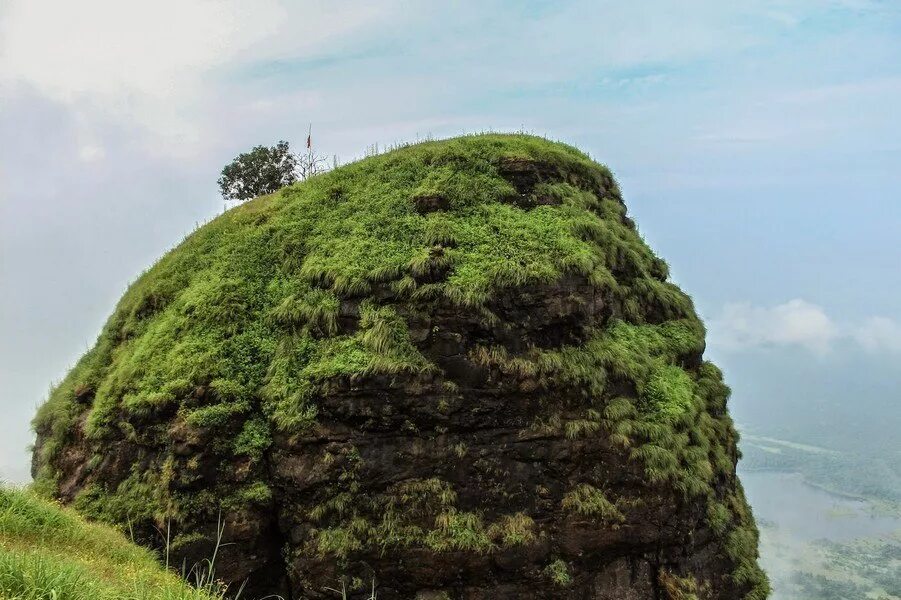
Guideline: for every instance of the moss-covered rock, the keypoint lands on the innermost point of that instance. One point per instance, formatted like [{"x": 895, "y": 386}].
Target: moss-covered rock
[{"x": 455, "y": 368}]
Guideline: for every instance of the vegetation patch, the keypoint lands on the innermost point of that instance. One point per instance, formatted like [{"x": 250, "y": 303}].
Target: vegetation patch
[
  {"x": 50, "y": 552},
  {"x": 681, "y": 588},
  {"x": 415, "y": 513},
  {"x": 588, "y": 501},
  {"x": 558, "y": 572}
]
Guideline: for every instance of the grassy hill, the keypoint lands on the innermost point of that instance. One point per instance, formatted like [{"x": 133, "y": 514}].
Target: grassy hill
[
  {"x": 408, "y": 370},
  {"x": 49, "y": 552}
]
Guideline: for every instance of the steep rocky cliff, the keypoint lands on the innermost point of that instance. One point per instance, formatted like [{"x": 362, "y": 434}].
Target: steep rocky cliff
[{"x": 452, "y": 371}]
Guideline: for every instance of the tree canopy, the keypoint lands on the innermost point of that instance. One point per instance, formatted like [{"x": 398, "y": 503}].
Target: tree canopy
[{"x": 261, "y": 171}]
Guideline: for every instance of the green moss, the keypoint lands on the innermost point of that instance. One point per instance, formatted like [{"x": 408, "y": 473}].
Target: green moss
[
  {"x": 558, "y": 572},
  {"x": 342, "y": 541},
  {"x": 384, "y": 334},
  {"x": 138, "y": 498},
  {"x": 668, "y": 393},
  {"x": 718, "y": 517},
  {"x": 741, "y": 543},
  {"x": 634, "y": 351},
  {"x": 216, "y": 415},
  {"x": 662, "y": 428},
  {"x": 418, "y": 513},
  {"x": 590, "y": 424},
  {"x": 314, "y": 310},
  {"x": 254, "y": 439},
  {"x": 254, "y": 493},
  {"x": 182, "y": 540}
]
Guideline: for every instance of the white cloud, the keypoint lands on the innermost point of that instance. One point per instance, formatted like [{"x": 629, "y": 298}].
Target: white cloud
[
  {"x": 742, "y": 326},
  {"x": 879, "y": 335},
  {"x": 106, "y": 47},
  {"x": 795, "y": 322},
  {"x": 158, "y": 66}
]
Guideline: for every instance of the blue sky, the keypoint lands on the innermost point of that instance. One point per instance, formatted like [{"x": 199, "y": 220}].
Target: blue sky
[{"x": 758, "y": 145}]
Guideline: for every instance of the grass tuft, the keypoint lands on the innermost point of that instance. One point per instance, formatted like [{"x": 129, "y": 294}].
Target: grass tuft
[{"x": 588, "y": 501}]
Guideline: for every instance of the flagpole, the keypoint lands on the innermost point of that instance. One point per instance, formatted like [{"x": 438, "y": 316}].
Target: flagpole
[{"x": 310, "y": 149}]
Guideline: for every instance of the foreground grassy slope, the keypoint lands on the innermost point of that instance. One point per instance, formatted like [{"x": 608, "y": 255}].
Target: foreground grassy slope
[{"x": 49, "y": 552}]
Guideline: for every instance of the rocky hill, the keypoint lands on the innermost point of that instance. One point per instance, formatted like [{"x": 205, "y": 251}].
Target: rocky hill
[{"x": 454, "y": 370}]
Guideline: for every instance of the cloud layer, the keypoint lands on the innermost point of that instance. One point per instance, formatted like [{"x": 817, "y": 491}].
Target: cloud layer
[
  {"x": 163, "y": 69},
  {"x": 799, "y": 323}
]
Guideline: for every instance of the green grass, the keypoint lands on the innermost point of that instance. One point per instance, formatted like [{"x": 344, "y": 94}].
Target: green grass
[
  {"x": 50, "y": 553},
  {"x": 588, "y": 501},
  {"x": 414, "y": 513}
]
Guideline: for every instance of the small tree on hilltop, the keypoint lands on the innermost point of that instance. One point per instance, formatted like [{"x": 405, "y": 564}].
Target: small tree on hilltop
[{"x": 258, "y": 172}]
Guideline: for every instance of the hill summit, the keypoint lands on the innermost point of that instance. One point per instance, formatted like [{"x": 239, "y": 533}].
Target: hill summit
[{"x": 454, "y": 370}]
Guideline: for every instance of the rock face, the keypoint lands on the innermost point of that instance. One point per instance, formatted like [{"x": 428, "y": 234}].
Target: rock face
[{"x": 451, "y": 371}]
